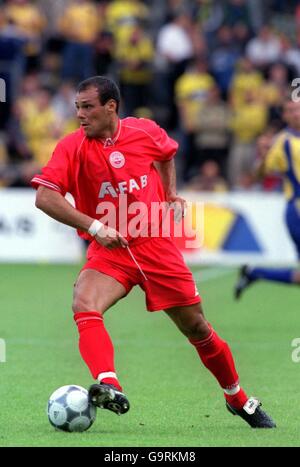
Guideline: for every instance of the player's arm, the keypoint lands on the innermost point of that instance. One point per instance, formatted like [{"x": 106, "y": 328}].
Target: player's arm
[
  {"x": 259, "y": 170},
  {"x": 56, "y": 206},
  {"x": 167, "y": 172},
  {"x": 270, "y": 156},
  {"x": 263, "y": 146}
]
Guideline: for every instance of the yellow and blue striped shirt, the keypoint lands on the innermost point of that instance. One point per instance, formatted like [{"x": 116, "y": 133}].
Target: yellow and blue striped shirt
[{"x": 284, "y": 158}]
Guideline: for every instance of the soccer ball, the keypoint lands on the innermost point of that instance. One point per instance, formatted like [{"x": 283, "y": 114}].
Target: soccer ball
[{"x": 69, "y": 409}]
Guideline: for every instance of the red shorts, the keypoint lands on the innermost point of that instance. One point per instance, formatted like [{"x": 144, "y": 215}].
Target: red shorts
[{"x": 156, "y": 265}]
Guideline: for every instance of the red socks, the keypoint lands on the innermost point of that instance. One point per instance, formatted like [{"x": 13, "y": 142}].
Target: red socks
[
  {"x": 97, "y": 351},
  {"x": 96, "y": 347},
  {"x": 217, "y": 357}
]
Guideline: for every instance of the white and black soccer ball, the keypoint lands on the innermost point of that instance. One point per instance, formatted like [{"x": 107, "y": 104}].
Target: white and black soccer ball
[{"x": 69, "y": 409}]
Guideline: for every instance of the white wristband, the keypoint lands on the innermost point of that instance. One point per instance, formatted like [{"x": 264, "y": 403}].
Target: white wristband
[{"x": 95, "y": 227}]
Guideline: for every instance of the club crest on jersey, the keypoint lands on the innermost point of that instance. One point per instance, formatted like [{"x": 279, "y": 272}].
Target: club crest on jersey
[{"x": 117, "y": 159}]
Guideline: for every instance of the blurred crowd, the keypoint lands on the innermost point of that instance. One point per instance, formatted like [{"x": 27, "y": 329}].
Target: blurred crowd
[{"x": 213, "y": 73}]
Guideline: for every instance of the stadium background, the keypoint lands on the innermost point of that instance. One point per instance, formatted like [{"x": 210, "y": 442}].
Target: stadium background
[{"x": 214, "y": 74}]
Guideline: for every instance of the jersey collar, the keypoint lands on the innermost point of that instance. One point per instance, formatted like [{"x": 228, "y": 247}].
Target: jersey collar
[{"x": 111, "y": 141}]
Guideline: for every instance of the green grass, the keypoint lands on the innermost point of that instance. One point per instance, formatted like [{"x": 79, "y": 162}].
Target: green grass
[{"x": 174, "y": 399}]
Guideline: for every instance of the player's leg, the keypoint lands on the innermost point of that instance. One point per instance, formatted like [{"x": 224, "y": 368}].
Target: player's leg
[
  {"x": 248, "y": 275},
  {"x": 213, "y": 351},
  {"x": 94, "y": 293},
  {"x": 217, "y": 357}
]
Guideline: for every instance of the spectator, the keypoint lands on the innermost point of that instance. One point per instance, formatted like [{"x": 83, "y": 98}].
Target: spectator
[
  {"x": 245, "y": 78},
  {"x": 41, "y": 127},
  {"x": 213, "y": 135},
  {"x": 134, "y": 61},
  {"x": 123, "y": 15},
  {"x": 30, "y": 23},
  {"x": 223, "y": 59},
  {"x": 209, "y": 16},
  {"x": 25, "y": 101},
  {"x": 12, "y": 64},
  {"x": 264, "y": 49},
  {"x": 19, "y": 176},
  {"x": 64, "y": 108},
  {"x": 192, "y": 90},
  {"x": 174, "y": 51},
  {"x": 79, "y": 25},
  {"x": 237, "y": 12},
  {"x": 208, "y": 179},
  {"x": 104, "y": 53},
  {"x": 248, "y": 121},
  {"x": 290, "y": 53},
  {"x": 241, "y": 35},
  {"x": 274, "y": 90},
  {"x": 16, "y": 141}
]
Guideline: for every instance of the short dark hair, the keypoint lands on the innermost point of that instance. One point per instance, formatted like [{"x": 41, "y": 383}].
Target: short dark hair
[{"x": 106, "y": 87}]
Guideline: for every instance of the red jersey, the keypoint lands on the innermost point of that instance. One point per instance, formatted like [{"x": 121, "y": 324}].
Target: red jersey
[{"x": 96, "y": 171}]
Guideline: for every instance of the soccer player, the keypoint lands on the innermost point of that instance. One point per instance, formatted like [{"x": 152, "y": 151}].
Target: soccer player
[
  {"x": 99, "y": 163},
  {"x": 283, "y": 157}
]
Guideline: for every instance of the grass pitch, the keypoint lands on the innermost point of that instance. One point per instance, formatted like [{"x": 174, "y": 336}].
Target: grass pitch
[{"x": 174, "y": 399}]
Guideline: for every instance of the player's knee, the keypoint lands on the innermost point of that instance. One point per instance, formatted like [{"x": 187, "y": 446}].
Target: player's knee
[
  {"x": 198, "y": 328},
  {"x": 194, "y": 324},
  {"x": 82, "y": 303}
]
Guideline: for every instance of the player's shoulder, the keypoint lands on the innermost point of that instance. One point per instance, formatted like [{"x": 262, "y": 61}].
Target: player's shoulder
[
  {"x": 280, "y": 138},
  {"x": 292, "y": 134},
  {"x": 143, "y": 125},
  {"x": 71, "y": 144},
  {"x": 72, "y": 140}
]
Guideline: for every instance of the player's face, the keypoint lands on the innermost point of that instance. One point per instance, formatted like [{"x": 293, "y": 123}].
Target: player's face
[
  {"x": 94, "y": 117},
  {"x": 292, "y": 114}
]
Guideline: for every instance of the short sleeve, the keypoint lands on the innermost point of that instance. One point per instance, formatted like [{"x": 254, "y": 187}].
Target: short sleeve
[
  {"x": 163, "y": 148},
  {"x": 275, "y": 159},
  {"x": 56, "y": 174}
]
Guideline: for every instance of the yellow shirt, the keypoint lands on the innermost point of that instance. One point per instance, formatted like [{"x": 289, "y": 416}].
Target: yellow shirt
[
  {"x": 191, "y": 91},
  {"x": 249, "y": 121},
  {"x": 244, "y": 82},
  {"x": 122, "y": 15},
  {"x": 30, "y": 22},
  {"x": 81, "y": 22},
  {"x": 129, "y": 54},
  {"x": 284, "y": 158},
  {"x": 27, "y": 18},
  {"x": 39, "y": 128},
  {"x": 270, "y": 94}
]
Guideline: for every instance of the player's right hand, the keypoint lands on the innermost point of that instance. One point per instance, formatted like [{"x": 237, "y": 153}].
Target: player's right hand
[{"x": 110, "y": 238}]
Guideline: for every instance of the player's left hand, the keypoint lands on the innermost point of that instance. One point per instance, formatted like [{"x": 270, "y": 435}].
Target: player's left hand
[{"x": 179, "y": 205}]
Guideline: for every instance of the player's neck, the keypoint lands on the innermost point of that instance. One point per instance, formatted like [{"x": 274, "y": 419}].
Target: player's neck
[{"x": 111, "y": 130}]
